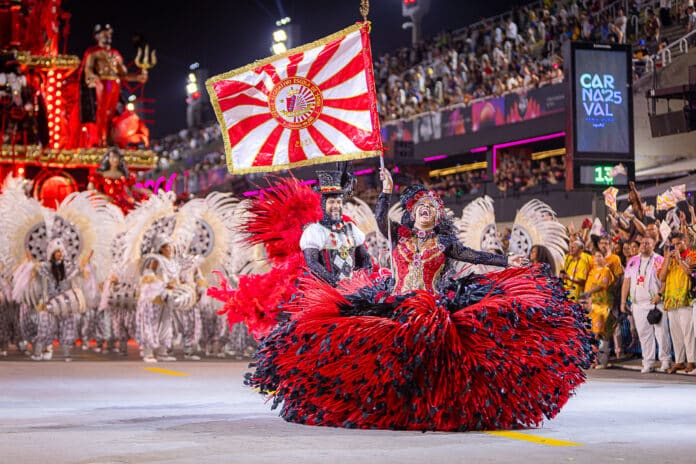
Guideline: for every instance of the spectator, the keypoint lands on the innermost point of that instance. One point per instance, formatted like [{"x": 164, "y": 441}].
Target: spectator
[
  {"x": 666, "y": 13},
  {"x": 690, "y": 21},
  {"x": 576, "y": 268},
  {"x": 597, "y": 293},
  {"x": 652, "y": 32},
  {"x": 510, "y": 30},
  {"x": 619, "y": 26},
  {"x": 676, "y": 275},
  {"x": 642, "y": 283}
]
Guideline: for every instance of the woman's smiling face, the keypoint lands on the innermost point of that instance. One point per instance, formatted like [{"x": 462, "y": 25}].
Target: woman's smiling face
[{"x": 425, "y": 214}]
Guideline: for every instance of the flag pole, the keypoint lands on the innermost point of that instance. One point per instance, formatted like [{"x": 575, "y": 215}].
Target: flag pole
[
  {"x": 364, "y": 11},
  {"x": 389, "y": 237}
]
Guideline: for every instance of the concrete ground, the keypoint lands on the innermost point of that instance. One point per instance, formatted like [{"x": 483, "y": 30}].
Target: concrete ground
[{"x": 117, "y": 411}]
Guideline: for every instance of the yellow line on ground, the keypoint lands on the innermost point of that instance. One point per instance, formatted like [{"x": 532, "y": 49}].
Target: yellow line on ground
[
  {"x": 166, "y": 371},
  {"x": 532, "y": 438}
]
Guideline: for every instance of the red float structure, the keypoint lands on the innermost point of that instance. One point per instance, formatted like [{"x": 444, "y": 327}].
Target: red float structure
[{"x": 42, "y": 129}]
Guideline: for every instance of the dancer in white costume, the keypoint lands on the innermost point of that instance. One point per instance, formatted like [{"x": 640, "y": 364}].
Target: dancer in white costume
[
  {"x": 535, "y": 225},
  {"x": 51, "y": 281},
  {"x": 161, "y": 293},
  {"x": 20, "y": 214},
  {"x": 149, "y": 231},
  {"x": 207, "y": 230},
  {"x": 9, "y": 309}
]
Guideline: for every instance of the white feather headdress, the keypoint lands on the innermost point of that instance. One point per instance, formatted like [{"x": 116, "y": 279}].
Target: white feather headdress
[
  {"x": 20, "y": 215},
  {"x": 476, "y": 228},
  {"x": 536, "y": 224},
  {"x": 153, "y": 216},
  {"x": 209, "y": 229},
  {"x": 361, "y": 214},
  {"x": 91, "y": 220}
]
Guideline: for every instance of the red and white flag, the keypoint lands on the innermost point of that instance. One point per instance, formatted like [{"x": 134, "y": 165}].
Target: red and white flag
[{"x": 313, "y": 104}]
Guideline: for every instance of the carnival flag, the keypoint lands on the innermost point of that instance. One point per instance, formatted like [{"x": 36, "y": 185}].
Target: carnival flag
[
  {"x": 666, "y": 200},
  {"x": 610, "y": 197},
  {"x": 313, "y": 104}
]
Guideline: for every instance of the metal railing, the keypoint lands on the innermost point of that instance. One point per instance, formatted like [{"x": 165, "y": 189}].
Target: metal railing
[
  {"x": 635, "y": 23},
  {"x": 664, "y": 56}
]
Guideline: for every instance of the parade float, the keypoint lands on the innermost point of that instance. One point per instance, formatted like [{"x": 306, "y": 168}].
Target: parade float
[{"x": 59, "y": 113}]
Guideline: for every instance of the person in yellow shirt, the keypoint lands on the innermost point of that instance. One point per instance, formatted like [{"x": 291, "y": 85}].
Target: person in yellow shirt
[
  {"x": 676, "y": 275},
  {"x": 613, "y": 262},
  {"x": 599, "y": 280},
  {"x": 576, "y": 266}
]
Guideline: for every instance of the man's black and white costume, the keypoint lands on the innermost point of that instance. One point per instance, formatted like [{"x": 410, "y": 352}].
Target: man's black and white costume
[{"x": 333, "y": 247}]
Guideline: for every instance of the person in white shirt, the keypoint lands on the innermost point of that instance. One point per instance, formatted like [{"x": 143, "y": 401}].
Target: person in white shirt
[
  {"x": 619, "y": 26},
  {"x": 691, "y": 21},
  {"x": 511, "y": 30},
  {"x": 642, "y": 282}
]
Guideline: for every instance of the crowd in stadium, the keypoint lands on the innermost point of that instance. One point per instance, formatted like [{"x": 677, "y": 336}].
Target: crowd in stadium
[
  {"x": 518, "y": 49},
  {"x": 641, "y": 259}
]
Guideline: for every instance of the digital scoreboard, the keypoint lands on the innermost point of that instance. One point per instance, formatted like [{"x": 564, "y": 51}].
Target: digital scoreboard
[
  {"x": 601, "y": 174},
  {"x": 599, "y": 115}
]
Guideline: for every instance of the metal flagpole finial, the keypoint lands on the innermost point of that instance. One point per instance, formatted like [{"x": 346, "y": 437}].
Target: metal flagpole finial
[{"x": 364, "y": 9}]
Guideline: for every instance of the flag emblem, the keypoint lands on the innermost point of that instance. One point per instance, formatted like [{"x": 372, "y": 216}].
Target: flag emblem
[{"x": 295, "y": 102}]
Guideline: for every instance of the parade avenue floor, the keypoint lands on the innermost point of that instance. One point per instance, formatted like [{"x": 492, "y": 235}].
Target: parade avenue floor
[{"x": 124, "y": 411}]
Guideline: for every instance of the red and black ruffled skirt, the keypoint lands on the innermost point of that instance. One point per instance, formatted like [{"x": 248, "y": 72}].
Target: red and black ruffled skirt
[{"x": 503, "y": 350}]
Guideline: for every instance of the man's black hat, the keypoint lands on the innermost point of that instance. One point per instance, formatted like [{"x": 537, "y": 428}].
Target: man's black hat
[{"x": 330, "y": 183}]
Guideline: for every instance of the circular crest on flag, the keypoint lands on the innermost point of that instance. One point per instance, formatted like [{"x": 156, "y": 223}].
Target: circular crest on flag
[{"x": 295, "y": 102}]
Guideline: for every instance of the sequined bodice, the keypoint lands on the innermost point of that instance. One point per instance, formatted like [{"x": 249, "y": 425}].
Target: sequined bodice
[{"x": 419, "y": 261}]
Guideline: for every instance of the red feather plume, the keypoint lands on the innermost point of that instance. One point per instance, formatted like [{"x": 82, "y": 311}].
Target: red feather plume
[{"x": 276, "y": 220}]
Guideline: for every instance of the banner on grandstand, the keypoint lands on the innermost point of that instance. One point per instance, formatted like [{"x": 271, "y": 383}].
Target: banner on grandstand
[
  {"x": 480, "y": 115},
  {"x": 313, "y": 104}
]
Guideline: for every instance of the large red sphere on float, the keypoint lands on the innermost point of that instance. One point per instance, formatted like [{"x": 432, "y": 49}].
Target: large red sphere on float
[{"x": 54, "y": 188}]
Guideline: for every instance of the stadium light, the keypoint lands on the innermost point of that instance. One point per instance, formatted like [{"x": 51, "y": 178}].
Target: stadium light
[
  {"x": 280, "y": 36},
  {"x": 279, "y": 47},
  {"x": 191, "y": 88},
  {"x": 283, "y": 22}
]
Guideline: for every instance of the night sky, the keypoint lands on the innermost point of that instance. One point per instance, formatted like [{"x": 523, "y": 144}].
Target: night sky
[{"x": 223, "y": 35}]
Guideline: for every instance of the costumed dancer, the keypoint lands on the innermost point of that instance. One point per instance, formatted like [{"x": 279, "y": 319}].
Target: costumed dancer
[
  {"x": 364, "y": 218},
  {"x": 208, "y": 230},
  {"x": 10, "y": 331},
  {"x": 119, "y": 294},
  {"x": 154, "y": 317},
  {"x": 98, "y": 313},
  {"x": 333, "y": 247},
  {"x": 286, "y": 216},
  {"x": 476, "y": 229},
  {"x": 536, "y": 232},
  {"x": 150, "y": 248},
  {"x": 23, "y": 218},
  {"x": 113, "y": 179},
  {"x": 62, "y": 303},
  {"x": 421, "y": 351},
  {"x": 53, "y": 282},
  {"x": 9, "y": 309}
]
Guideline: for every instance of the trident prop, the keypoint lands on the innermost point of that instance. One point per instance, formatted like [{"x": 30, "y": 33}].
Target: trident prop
[{"x": 145, "y": 60}]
